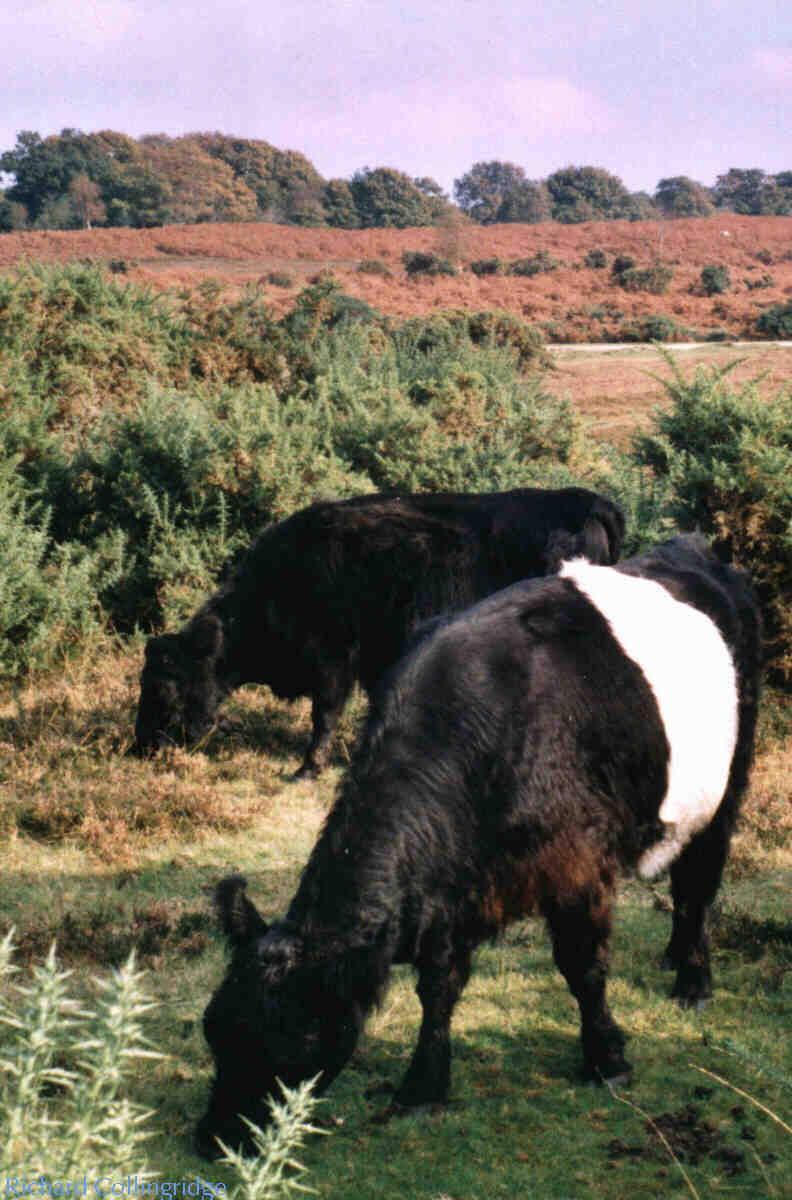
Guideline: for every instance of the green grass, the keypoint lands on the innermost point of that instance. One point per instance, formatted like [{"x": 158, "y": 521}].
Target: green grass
[
  {"x": 103, "y": 852},
  {"x": 520, "y": 1121}
]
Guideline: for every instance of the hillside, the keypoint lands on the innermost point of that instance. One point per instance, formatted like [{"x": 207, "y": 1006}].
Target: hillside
[{"x": 572, "y": 302}]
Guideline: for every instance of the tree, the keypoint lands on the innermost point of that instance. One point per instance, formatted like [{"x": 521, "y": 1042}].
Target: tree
[
  {"x": 588, "y": 194},
  {"x": 387, "y": 197},
  {"x": 203, "y": 187},
  {"x": 285, "y": 183},
  {"x": 87, "y": 205},
  {"x": 752, "y": 192},
  {"x": 679, "y": 196},
  {"x": 142, "y": 198},
  {"x": 339, "y": 205},
  {"x": 43, "y": 168},
  {"x": 12, "y": 215},
  {"x": 499, "y": 191},
  {"x": 437, "y": 202},
  {"x": 641, "y": 207}
]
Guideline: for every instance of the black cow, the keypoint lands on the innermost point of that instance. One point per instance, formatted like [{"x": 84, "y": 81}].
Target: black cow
[
  {"x": 331, "y": 594},
  {"x": 514, "y": 762}
]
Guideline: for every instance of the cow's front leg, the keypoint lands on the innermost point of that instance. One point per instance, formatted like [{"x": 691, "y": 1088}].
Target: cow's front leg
[{"x": 428, "y": 1075}]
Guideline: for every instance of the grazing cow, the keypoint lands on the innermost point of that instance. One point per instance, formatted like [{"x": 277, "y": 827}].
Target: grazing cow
[
  {"x": 331, "y": 595},
  {"x": 513, "y": 763}
]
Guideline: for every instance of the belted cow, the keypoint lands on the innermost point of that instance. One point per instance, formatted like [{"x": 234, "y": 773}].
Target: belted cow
[{"x": 518, "y": 759}]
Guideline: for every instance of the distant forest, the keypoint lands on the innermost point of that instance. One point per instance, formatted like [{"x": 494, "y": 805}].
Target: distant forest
[{"x": 76, "y": 180}]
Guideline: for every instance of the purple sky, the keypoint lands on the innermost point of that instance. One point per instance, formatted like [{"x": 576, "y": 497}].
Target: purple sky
[{"x": 646, "y": 90}]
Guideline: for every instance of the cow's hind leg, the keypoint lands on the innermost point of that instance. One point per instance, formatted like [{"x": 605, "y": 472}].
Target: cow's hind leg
[
  {"x": 580, "y": 930},
  {"x": 428, "y": 1075},
  {"x": 695, "y": 878}
]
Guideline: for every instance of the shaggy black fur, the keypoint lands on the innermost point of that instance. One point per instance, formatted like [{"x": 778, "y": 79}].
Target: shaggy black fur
[
  {"x": 331, "y": 596},
  {"x": 513, "y": 763}
]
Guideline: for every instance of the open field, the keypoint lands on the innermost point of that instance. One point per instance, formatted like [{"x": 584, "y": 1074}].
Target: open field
[
  {"x": 614, "y": 388},
  {"x": 103, "y": 852},
  {"x": 572, "y": 302}
]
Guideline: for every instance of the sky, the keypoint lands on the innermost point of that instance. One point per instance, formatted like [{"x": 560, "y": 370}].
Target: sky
[{"x": 645, "y": 89}]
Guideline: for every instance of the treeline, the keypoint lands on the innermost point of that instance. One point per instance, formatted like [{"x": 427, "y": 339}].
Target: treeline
[
  {"x": 76, "y": 180},
  {"x": 79, "y": 180}
]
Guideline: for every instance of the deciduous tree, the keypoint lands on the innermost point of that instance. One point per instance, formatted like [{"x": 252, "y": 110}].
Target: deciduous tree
[{"x": 679, "y": 196}]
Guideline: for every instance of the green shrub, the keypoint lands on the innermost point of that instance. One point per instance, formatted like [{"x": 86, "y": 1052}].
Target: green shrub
[
  {"x": 63, "y": 1103},
  {"x": 715, "y": 335},
  {"x": 776, "y": 321},
  {"x": 726, "y": 458},
  {"x": 63, "y": 1099},
  {"x": 596, "y": 259},
  {"x": 536, "y": 264},
  {"x": 715, "y": 280},
  {"x": 126, "y": 512},
  {"x": 280, "y": 279},
  {"x": 657, "y": 327},
  {"x": 417, "y": 262},
  {"x": 486, "y": 266},
  {"x": 655, "y": 279},
  {"x": 503, "y": 329},
  {"x": 764, "y": 281},
  {"x": 49, "y": 592},
  {"x": 622, "y": 263},
  {"x": 456, "y": 329},
  {"x": 274, "y": 1171}
]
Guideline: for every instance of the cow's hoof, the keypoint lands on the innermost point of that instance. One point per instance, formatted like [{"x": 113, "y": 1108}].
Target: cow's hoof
[
  {"x": 694, "y": 1003},
  {"x": 306, "y": 771},
  {"x": 621, "y": 1079}
]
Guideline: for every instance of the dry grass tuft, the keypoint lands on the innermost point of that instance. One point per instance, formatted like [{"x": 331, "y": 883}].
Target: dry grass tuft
[{"x": 65, "y": 776}]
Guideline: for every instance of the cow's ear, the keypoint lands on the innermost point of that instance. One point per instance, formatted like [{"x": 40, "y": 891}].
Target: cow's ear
[
  {"x": 206, "y": 635},
  {"x": 561, "y": 545},
  {"x": 238, "y": 915}
]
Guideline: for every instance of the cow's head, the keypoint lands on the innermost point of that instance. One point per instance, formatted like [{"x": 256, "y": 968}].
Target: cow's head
[
  {"x": 275, "y": 1018},
  {"x": 179, "y": 689}
]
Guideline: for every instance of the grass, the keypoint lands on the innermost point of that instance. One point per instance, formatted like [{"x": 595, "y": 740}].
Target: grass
[{"x": 103, "y": 851}]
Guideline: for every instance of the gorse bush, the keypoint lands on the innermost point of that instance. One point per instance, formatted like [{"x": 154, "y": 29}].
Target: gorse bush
[
  {"x": 725, "y": 459},
  {"x": 657, "y": 327},
  {"x": 536, "y": 264},
  {"x": 655, "y": 279},
  {"x": 715, "y": 280},
  {"x": 374, "y": 266},
  {"x": 127, "y": 508},
  {"x": 123, "y": 509},
  {"x": 419, "y": 262},
  {"x": 48, "y": 590},
  {"x": 596, "y": 260},
  {"x": 274, "y": 1171},
  {"x": 63, "y": 1101},
  {"x": 776, "y": 321},
  {"x": 486, "y": 266}
]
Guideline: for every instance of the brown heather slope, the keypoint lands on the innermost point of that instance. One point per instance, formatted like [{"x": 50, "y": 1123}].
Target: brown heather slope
[{"x": 574, "y": 303}]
